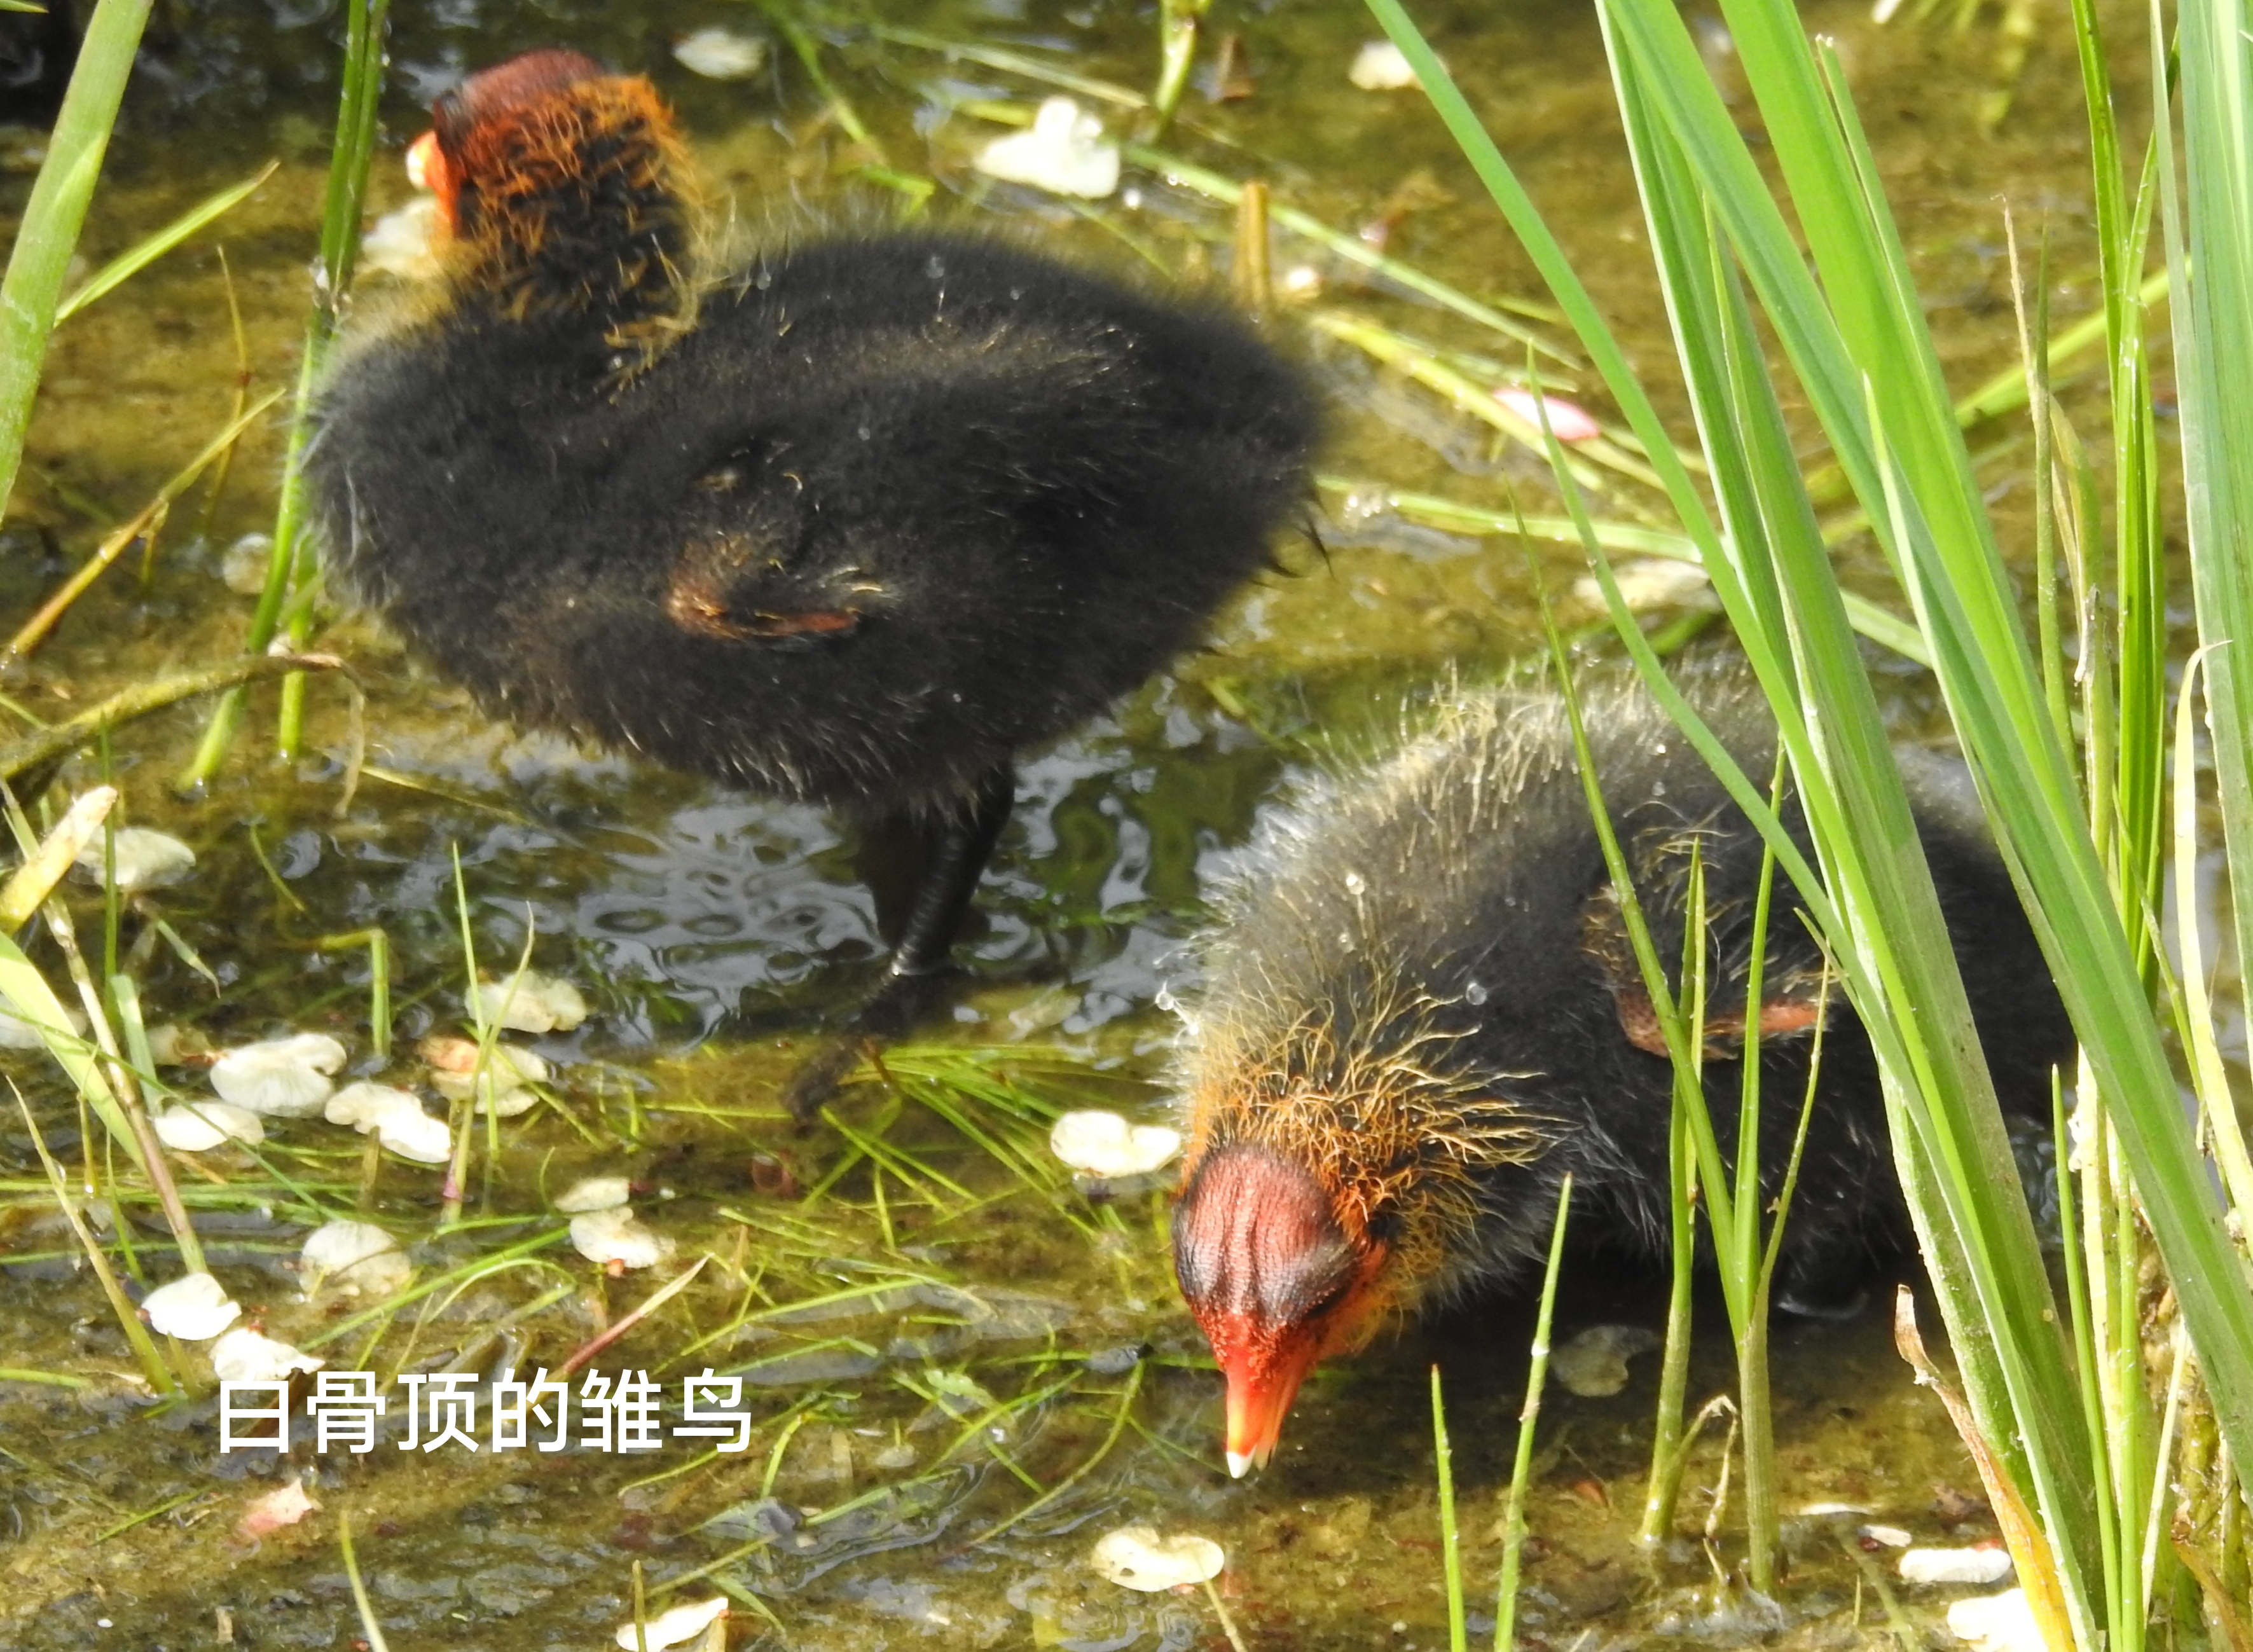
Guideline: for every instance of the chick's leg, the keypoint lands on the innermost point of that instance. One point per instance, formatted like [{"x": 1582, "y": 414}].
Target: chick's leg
[{"x": 956, "y": 846}]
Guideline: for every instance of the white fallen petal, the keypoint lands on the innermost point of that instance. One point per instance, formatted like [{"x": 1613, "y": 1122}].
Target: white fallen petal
[
  {"x": 1137, "y": 1558},
  {"x": 1099, "y": 1143},
  {"x": 173, "y": 1045},
  {"x": 194, "y": 1308},
  {"x": 512, "y": 1069},
  {"x": 197, "y": 1126},
  {"x": 720, "y": 54},
  {"x": 242, "y": 565},
  {"x": 508, "y": 1104},
  {"x": 1647, "y": 583},
  {"x": 362, "y": 1106},
  {"x": 357, "y": 1259},
  {"x": 395, "y": 1116},
  {"x": 146, "y": 860},
  {"x": 244, "y": 1356},
  {"x": 676, "y": 1628},
  {"x": 402, "y": 243},
  {"x": 531, "y": 1003},
  {"x": 415, "y": 1135},
  {"x": 336, "y": 1248},
  {"x": 1996, "y": 1622},
  {"x": 1063, "y": 150},
  {"x": 617, "y": 1235},
  {"x": 1592, "y": 1363},
  {"x": 594, "y": 1193},
  {"x": 280, "y": 1078},
  {"x": 1954, "y": 1565},
  {"x": 1381, "y": 67},
  {"x": 1889, "y": 1537}
]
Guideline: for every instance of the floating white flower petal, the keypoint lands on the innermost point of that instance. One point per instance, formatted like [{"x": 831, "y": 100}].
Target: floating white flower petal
[
  {"x": 197, "y": 1126},
  {"x": 676, "y": 1628},
  {"x": 1647, "y": 583},
  {"x": 1063, "y": 150},
  {"x": 244, "y": 1356},
  {"x": 1137, "y": 1558},
  {"x": 1568, "y": 421},
  {"x": 360, "y": 1105},
  {"x": 1954, "y": 1565},
  {"x": 395, "y": 1116},
  {"x": 720, "y": 54},
  {"x": 594, "y": 1193},
  {"x": 1996, "y": 1622},
  {"x": 146, "y": 860},
  {"x": 1889, "y": 1537},
  {"x": 1103, "y": 1144},
  {"x": 242, "y": 565},
  {"x": 1381, "y": 67},
  {"x": 353, "y": 1254},
  {"x": 1593, "y": 1362},
  {"x": 415, "y": 1135},
  {"x": 280, "y": 1078},
  {"x": 173, "y": 1045},
  {"x": 531, "y": 1003},
  {"x": 194, "y": 1308},
  {"x": 405, "y": 243},
  {"x": 617, "y": 1235},
  {"x": 454, "y": 1068}
]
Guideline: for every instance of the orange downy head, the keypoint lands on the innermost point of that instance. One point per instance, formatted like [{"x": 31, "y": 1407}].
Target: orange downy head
[
  {"x": 1275, "y": 1279},
  {"x": 562, "y": 184}
]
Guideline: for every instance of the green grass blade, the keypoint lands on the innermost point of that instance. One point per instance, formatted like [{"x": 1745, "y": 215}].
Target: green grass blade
[
  {"x": 149, "y": 248},
  {"x": 41, "y": 258},
  {"x": 1945, "y": 545}
]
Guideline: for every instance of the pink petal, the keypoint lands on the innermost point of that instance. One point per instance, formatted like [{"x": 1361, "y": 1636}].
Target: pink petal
[
  {"x": 1568, "y": 421},
  {"x": 283, "y": 1506}
]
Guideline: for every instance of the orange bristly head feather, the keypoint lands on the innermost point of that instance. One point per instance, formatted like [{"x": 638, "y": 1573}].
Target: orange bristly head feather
[{"x": 565, "y": 187}]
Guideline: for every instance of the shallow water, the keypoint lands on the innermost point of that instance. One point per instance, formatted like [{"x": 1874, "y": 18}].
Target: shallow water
[{"x": 713, "y": 931}]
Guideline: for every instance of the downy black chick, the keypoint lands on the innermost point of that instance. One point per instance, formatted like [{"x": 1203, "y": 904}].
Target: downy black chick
[
  {"x": 859, "y": 522},
  {"x": 1421, "y": 1010}
]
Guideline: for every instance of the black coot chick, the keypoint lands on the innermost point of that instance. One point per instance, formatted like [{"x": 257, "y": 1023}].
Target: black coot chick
[
  {"x": 856, "y": 523},
  {"x": 1421, "y": 1010}
]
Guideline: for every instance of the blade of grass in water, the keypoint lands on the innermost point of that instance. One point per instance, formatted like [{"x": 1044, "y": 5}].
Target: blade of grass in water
[
  {"x": 144, "y": 1347},
  {"x": 1979, "y": 1241},
  {"x": 148, "y": 520},
  {"x": 1867, "y": 363},
  {"x": 149, "y": 248},
  {"x": 290, "y": 564},
  {"x": 1872, "y": 620},
  {"x": 1537, "y": 1376},
  {"x": 1451, "y": 1546},
  {"x": 40, "y": 260}
]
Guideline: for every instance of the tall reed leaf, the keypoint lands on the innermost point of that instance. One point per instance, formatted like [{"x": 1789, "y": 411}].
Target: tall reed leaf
[
  {"x": 49, "y": 232},
  {"x": 1930, "y": 513},
  {"x": 2209, "y": 235},
  {"x": 1817, "y": 642},
  {"x": 290, "y": 566}
]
